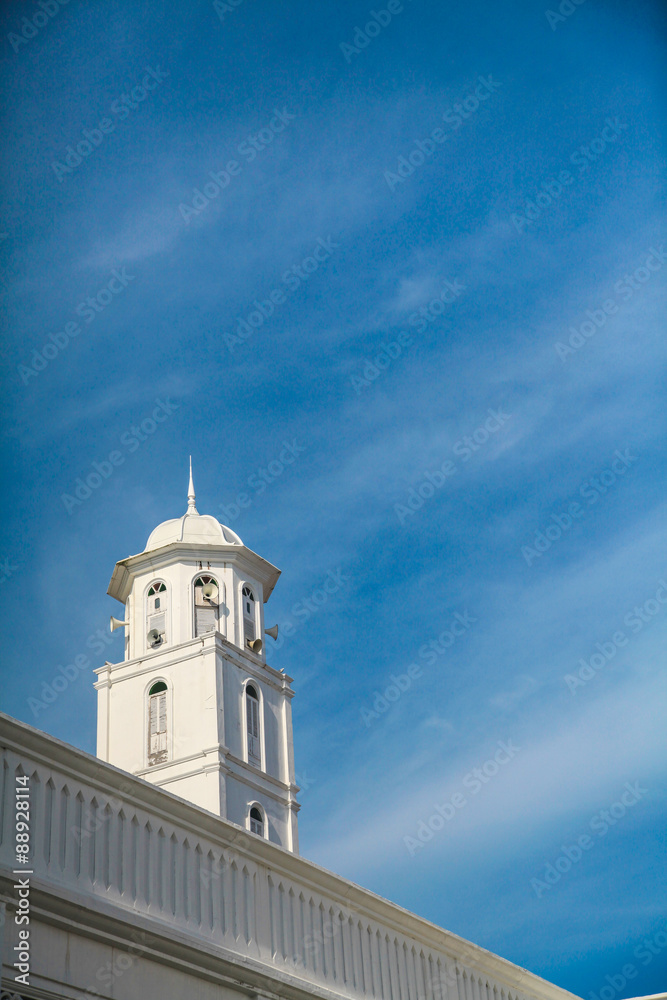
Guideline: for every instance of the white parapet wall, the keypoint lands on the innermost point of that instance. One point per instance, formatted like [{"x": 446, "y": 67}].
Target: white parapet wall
[{"x": 136, "y": 893}]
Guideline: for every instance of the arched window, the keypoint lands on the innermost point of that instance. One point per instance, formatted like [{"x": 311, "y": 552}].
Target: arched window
[
  {"x": 156, "y": 614},
  {"x": 249, "y": 631},
  {"x": 252, "y": 726},
  {"x": 256, "y": 821},
  {"x": 157, "y": 723},
  {"x": 206, "y": 604}
]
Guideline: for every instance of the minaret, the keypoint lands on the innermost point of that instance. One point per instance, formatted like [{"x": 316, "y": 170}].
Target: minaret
[{"x": 194, "y": 706}]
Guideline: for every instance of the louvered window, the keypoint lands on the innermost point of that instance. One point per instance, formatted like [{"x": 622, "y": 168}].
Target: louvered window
[
  {"x": 157, "y": 622},
  {"x": 248, "y": 599},
  {"x": 157, "y": 724},
  {"x": 252, "y": 724},
  {"x": 156, "y": 613},
  {"x": 206, "y": 605},
  {"x": 256, "y": 822},
  {"x": 205, "y": 620}
]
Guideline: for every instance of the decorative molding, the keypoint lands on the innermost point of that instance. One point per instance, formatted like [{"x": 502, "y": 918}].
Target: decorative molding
[{"x": 162, "y": 658}]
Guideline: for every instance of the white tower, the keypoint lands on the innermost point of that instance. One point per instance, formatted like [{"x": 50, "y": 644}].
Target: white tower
[{"x": 194, "y": 706}]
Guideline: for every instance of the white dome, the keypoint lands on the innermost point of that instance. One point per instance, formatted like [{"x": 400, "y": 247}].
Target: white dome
[
  {"x": 193, "y": 528},
  {"x": 197, "y": 529}
]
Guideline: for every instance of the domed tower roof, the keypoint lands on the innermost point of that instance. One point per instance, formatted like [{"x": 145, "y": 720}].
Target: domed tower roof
[
  {"x": 193, "y": 527},
  {"x": 193, "y": 536}
]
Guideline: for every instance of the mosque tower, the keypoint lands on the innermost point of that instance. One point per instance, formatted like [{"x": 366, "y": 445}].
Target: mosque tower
[{"x": 194, "y": 707}]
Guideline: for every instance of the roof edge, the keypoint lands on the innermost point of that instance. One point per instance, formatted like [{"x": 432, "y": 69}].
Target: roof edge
[
  {"x": 78, "y": 762},
  {"x": 125, "y": 569}
]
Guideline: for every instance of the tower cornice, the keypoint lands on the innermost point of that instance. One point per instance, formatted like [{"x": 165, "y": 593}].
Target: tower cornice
[
  {"x": 162, "y": 658},
  {"x": 127, "y": 569}
]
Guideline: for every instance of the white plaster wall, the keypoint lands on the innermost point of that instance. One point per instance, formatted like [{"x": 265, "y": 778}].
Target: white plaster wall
[
  {"x": 272, "y": 735},
  {"x": 194, "y": 722},
  {"x": 206, "y": 725},
  {"x": 68, "y": 965},
  {"x": 179, "y": 578}
]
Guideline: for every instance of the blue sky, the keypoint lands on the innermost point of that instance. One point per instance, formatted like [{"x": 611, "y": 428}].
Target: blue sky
[{"x": 536, "y": 209}]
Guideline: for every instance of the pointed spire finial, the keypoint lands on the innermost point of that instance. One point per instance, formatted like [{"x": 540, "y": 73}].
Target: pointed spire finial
[{"x": 191, "y": 494}]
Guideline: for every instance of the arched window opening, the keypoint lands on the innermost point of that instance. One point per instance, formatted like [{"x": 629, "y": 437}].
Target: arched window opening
[
  {"x": 256, "y": 822},
  {"x": 157, "y": 723},
  {"x": 156, "y": 614},
  {"x": 252, "y": 726},
  {"x": 249, "y": 632},
  {"x": 206, "y": 604}
]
